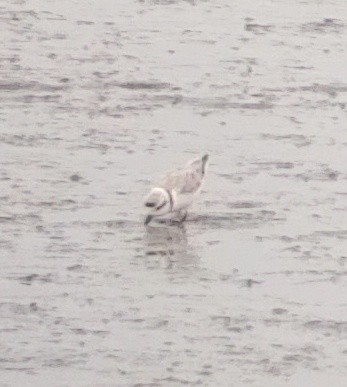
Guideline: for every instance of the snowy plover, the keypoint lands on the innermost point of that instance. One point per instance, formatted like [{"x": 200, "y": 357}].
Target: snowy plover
[{"x": 177, "y": 191}]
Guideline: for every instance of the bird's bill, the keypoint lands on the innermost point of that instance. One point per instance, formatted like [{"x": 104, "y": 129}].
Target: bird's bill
[{"x": 148, "y": 219}]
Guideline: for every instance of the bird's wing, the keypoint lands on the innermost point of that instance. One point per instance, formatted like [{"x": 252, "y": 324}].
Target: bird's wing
[{"x": 183, "y": 181}]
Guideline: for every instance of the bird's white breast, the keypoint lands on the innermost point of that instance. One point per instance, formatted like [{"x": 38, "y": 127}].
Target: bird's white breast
[{"x": 182, "y": 201}]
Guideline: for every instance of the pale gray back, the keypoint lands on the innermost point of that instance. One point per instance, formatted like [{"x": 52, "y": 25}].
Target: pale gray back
[{"x": 186, "y": 180}]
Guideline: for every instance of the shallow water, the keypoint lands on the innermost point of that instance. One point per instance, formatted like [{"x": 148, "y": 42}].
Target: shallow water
[{"x": 98, "y": 99}]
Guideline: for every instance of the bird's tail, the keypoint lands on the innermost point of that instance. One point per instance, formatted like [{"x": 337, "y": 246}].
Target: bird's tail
[
  {"x": 204, "y": 160},
  {"x": 199, "y": 164}
]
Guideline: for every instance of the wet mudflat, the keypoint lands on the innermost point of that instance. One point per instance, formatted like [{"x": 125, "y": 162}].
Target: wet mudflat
[{"x": 97, "y": 100}]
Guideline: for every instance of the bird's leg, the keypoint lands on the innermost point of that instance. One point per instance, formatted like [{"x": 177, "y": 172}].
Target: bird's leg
[
  {"x": 184, "y": 216},
  {"x": 178, "y": 217}
]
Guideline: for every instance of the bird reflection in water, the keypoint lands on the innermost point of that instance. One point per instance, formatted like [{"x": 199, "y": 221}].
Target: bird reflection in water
[{"x": 167, "y": 247}]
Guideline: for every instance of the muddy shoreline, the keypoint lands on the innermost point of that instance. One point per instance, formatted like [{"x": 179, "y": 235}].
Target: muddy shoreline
[{"x": 98, "y": 99}]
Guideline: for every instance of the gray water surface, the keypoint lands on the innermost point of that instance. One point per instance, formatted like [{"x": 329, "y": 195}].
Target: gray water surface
[{"x": 97, "y": 100}]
